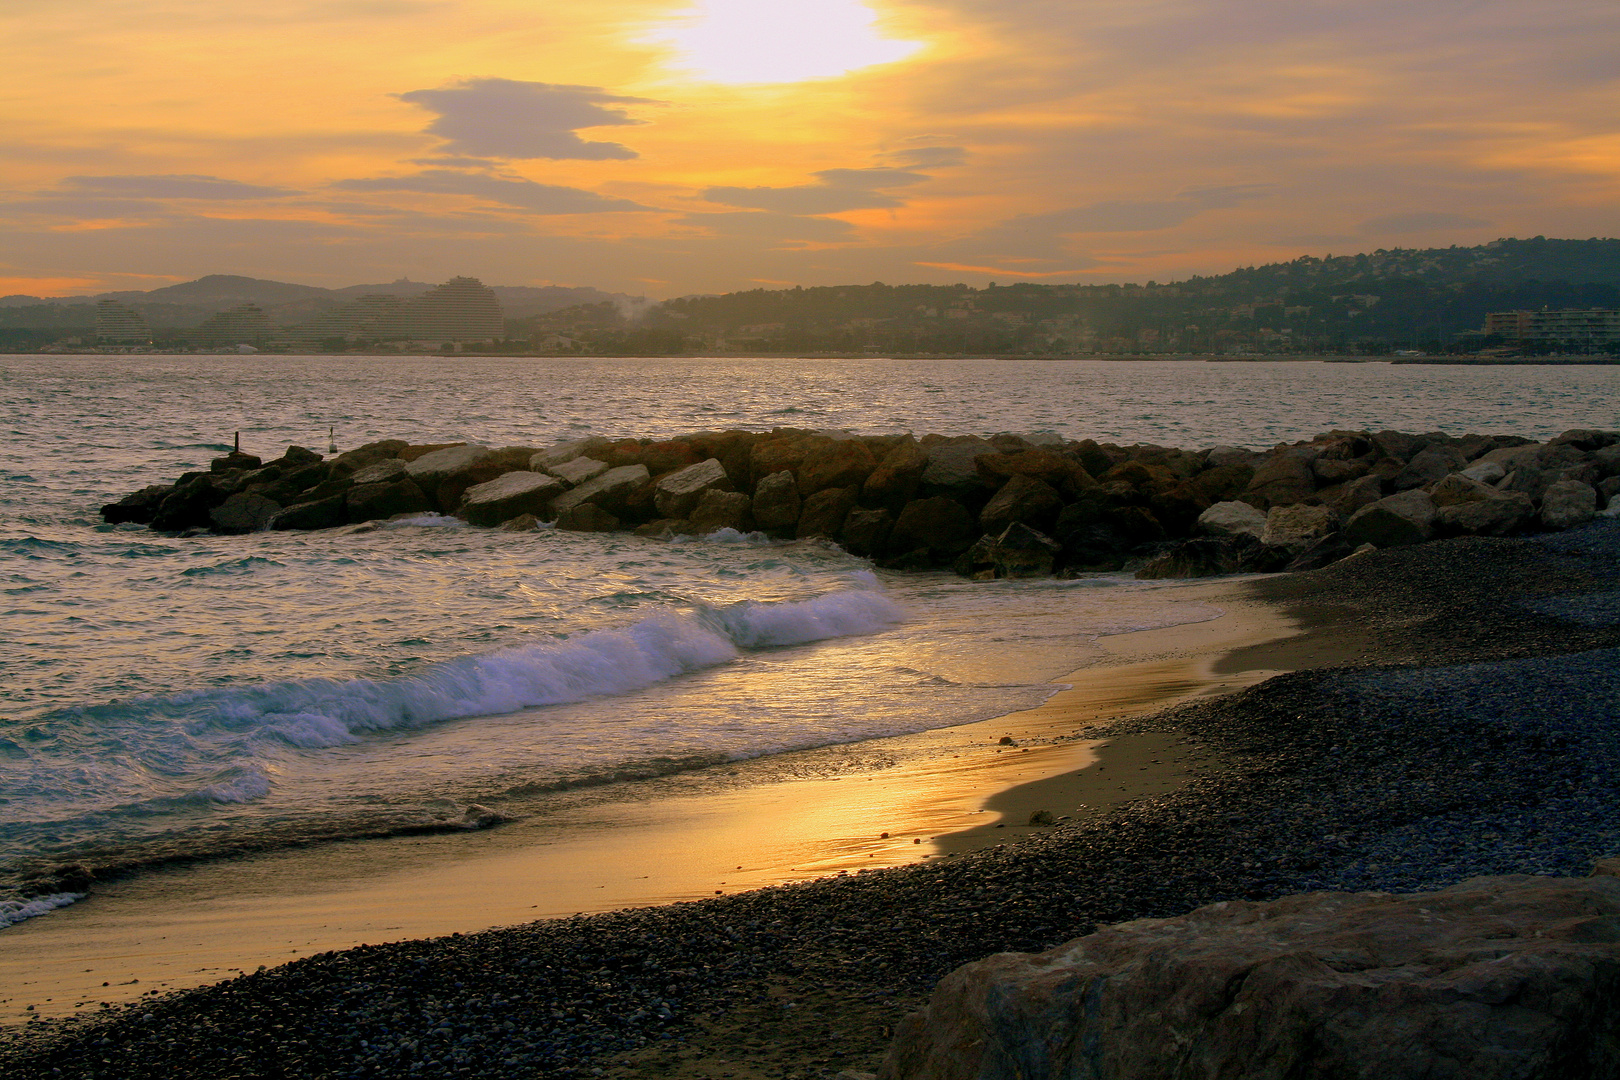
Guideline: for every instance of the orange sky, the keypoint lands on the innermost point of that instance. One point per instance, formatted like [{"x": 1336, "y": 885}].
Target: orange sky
[{"x": 671, "y": 146}]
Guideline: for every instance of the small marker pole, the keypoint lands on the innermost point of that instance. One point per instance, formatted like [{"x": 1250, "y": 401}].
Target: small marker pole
[{"x": 237, "y": 449}]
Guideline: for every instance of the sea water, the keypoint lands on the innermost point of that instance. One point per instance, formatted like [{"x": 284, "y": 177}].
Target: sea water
[{"x": 181, "y": 697}]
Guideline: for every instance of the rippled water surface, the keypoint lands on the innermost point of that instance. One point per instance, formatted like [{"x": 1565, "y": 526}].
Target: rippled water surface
[{"x": 167, "y": 696}]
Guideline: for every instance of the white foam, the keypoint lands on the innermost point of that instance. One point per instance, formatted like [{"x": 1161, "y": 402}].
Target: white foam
[
  {"x": 15, "y": 911},
  {"x": 320, "y": 713}
]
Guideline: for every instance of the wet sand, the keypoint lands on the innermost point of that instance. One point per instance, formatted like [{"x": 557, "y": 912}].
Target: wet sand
[{"x": 939, "y": 794}]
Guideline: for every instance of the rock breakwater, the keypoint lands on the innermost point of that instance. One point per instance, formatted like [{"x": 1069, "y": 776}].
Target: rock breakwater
[{"x": 1004, "y": 506}]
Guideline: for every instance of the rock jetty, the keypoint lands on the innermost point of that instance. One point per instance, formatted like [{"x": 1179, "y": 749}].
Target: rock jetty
[{"x": 1004, "y": 506}]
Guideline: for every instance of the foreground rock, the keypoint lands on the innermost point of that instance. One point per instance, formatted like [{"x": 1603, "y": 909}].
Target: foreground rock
[{"x": 1491, "y": 979}]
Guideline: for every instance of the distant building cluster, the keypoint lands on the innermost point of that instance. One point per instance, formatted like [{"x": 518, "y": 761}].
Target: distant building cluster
[
  {"x": 462, "y": 309},
  {"x": 120, "y": 324},
  {"x": 1565, "y": 324}
]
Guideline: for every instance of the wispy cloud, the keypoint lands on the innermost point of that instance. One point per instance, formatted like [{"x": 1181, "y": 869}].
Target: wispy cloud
[
  {"x": 504, "y": 191},
  {"x": 171, "y": 186},
  {"x": 835, "y": 191}
]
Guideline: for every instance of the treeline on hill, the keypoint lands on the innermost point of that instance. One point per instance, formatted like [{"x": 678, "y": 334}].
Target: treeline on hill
[{"x": 1372, "y": 303}]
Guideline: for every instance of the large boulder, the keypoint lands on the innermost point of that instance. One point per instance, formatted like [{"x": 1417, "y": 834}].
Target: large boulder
[
  {"x": 324, "y": 513},
  {"x": 1568, "y": 503},
  {"x": 140, "y": 506},
  {"x": 1017, "y": 552},
  {"x": 1283, "y": 479},
  {"x": 574, "y": 471},
  {"x": 1500, "y": 515},
  {"x": 435, "y": 465},
  {"x": 1514, "y": 978},
  {"x": 942, "y": 527},
  {"x": 1211, "y": 556},
  {"x": 678, "y": 494},
  {"x": 588, "y": 517},
  {"x": 866, "y": 532},
  {"x": 1460, "y": 488},
  {"x": 382, "y": 471},
  {"x": 1295, "y": 528},
  {"x": 510, "y": 495},
  {"x": 378, "y": 502},
  {"x": 243, "y": 512},
  {"x": 1399, "y": 520},
  {"x": 897, "y": 477},
  {"x": 776, "y": 502},
  {"x": 1347, "y": 498},
  {"x": 543, "y": 460},
  {"x": 722, "y": 510},
  {"x": 840, "y": 463},
  {"x": 187, "y": 504},
  {"x": 1428, "y": 465},
  {"x": 1022, "y": 499},
  {"x": 352, "y": 461},
  {"x": 1232, "y": 519},
  {"x": 611, "y": 491},
  {"x": 1485, "y": 472},
  {"x": 953, "y": 470},
  {"x": 1063, "y": 472},
  {"x": 824, "y": 513}
]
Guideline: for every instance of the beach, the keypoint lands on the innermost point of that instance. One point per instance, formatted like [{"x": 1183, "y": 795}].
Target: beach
[{"x": 1438, "y": 723}]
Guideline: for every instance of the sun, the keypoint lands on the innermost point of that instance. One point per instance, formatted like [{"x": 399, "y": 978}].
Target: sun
[{"x": 780, "y": 41}]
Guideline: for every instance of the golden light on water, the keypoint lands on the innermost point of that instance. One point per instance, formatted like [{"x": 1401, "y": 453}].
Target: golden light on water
[{"x": 780, "y": 41}]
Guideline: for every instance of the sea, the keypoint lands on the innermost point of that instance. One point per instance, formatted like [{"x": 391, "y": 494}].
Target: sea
[{"x": 181, "y": 698}]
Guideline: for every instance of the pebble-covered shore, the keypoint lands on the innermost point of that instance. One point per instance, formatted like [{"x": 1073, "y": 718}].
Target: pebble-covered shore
[{"x": 1477, "y": 736}]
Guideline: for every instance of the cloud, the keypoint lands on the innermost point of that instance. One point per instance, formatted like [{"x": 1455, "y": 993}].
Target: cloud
[
  {"x": 763, "y": 225},
  {"x": 929, "y": 157},
  {"x": 507, "y": 191},
  {"x": 171, "y": 186},
  {"x": 505, "y": 118},
  {"x": 1419, "y": 222},
  {"x": 836, "y": 191}
]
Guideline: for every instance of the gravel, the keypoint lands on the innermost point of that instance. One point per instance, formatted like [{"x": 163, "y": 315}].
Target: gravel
[{"x": 1479, "y": 736}]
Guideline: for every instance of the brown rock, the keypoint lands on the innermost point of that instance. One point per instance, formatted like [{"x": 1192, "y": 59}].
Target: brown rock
[
  {"x": 953, "y": 471},
  {"x": 1295, "y": 528},
  {"x": 1063, "y": 472},
  {"x": 139, "y": 506},
  {"x": 722, "y": 510},
  {"x": 1330, "y": 471},
  {"x": 1347, "y": 498},
  {"x": 824, "y": 513},
  {"x": 1023, "y": 499},
  {"x": 1503, "y": 514},
  {"x": 840, "y": 463},
  {"x": 321, "y": 514},
  {"x": 611, "y": 491},
  {"x": 897, "y": 477},
  {"x": 510, "y": 495},
  {"x": 1211, "y": 556},
  {"x": 374, "y": 502},
  {"x": 1396, "y": 521},
  {"x": 670, "y": 456},
  {"x": 1512, "y": 978},
  {"x": 777, "y": 502},
  {"x": 940, "y": 526},
  {"x": 1428, "y": 466},
  {"x": 352, "y": 461},
  {"x": 243, "y": 512},
  {"x": 678, "y": 493},
  {"x": 1457, "y": 488},
  {"x": 866, "y": 532},
  {"x": 1222, "y": 483},
  {"x": 1282, "y": 479},
  {"x": 587, "y": 517}
]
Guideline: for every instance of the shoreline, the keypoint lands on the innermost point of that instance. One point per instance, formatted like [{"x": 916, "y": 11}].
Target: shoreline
[
  {"x": 1459, "y": 736},
  {"x": 895, "y": 801}
]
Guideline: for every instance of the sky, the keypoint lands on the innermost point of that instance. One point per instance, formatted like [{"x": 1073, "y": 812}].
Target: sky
[{"x": 669, "y": 147}]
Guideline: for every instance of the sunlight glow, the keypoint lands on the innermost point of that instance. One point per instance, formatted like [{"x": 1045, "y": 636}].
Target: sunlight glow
[{"x": 781, "y": 41}]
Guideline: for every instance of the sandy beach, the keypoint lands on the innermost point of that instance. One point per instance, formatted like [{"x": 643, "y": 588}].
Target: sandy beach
[
  {"x": 1169, "y": 790},
  {"x": 891, "y": 802}
]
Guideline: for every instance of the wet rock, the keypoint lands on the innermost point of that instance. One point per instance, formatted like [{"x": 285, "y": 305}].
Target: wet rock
[
  {"x": 1017, "y": 552},
  {"x": 376, "y": 502},
  {"x": 942, "y": 527},
  {"x": 1396, "y": 521},
  {"x": 588, "y": 517},
  {"x": 722, "y": 510},
  {"x": 866, "y": 532},
  {"x": 1232, "y": 519},
  {"x": 352, "y": 461},
  {"x": 782, "y": 449},
  {"x": 610, "y": 491},
  {"x": 678, "y": 494},
  {"x": 777, "y": 502},
  {"x": 1295, "y": 528},
  {"x": 140, "y": 506},
  {"x": 187, "y": 504},
  {"x": 824, "y": 513},
  {"x": 325, "y": 513},
  {"x": 510, "y": 495},
  {"x": 575, "y": 471},
  {"x": 1491, "y": 979},
  {"x": 243, "y": 512},
  {"x": 1568, "y": 503},
  {"x": 298, "y": 457},
  {"x": 233, "y": 461},
  {"x": 521, "y": 523},
  {"x": 1022, "y": 499},
  {"x": 1283, "y": 479},
  {"x": 1211, "y": 556}
]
